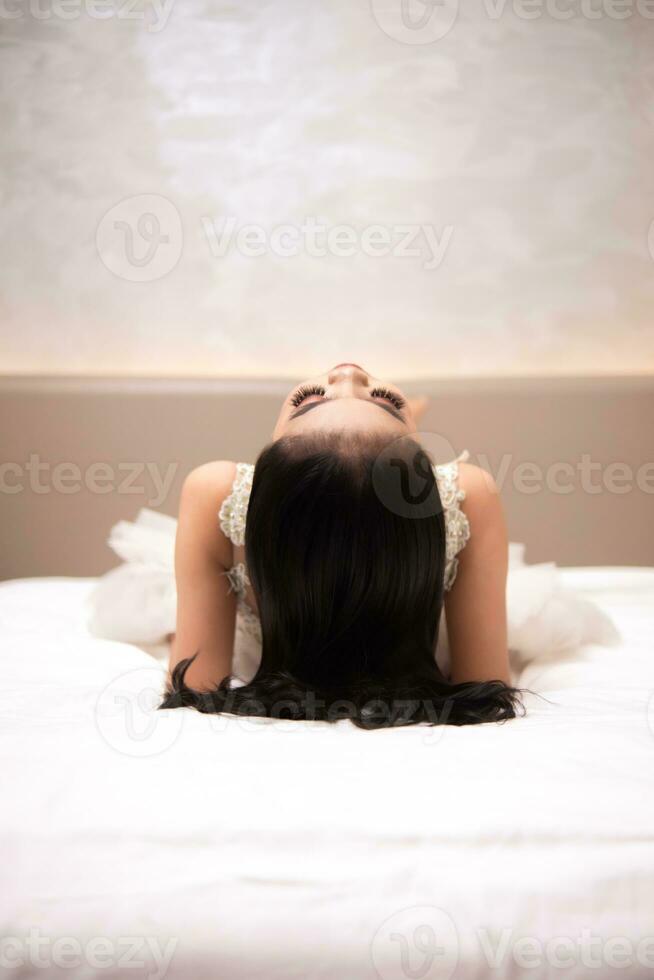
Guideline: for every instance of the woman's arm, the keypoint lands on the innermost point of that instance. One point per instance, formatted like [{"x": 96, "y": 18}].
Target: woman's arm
[
  {"x": 475, "y": 606},
  {"x": 206, "y": 608}
]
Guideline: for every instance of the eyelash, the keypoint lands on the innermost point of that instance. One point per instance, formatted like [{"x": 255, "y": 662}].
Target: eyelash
[
  {"x": 389, "y": 396},
  {"x": 307, "y": 390}
]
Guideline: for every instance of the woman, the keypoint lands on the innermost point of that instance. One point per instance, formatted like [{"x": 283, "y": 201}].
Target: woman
[{"x": 318, "y": 592}]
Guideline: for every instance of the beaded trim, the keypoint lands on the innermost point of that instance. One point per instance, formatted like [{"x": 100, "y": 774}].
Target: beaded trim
[
  {"x": 248, "y": 620},
  {"x": 238, "y": 578},
  {"x": 457, "y": 525},
  {"x": 235, "y": 505}
]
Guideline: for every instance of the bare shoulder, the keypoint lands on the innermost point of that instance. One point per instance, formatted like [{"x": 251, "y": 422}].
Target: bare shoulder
[
  {"x": 482, "y": 503},
  {"x": 476, "y": 481},
  {"x": 210, "y": 482},
  {"x": 198, "y": 530}
]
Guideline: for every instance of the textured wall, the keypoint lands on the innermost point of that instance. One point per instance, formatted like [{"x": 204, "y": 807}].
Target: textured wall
[{"x": 515, "y": 142}]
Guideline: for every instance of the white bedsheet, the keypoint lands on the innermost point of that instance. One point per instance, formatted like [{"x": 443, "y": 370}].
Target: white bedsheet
[{"x": 203, "y": 847}]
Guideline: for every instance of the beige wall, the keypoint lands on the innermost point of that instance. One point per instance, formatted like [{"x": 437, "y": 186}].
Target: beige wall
[
  {"x": 522, "y": 138},
  {"x": 149, "y": 434}
]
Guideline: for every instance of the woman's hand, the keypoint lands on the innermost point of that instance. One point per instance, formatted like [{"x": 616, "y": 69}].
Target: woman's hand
[{"x": 418, "y": 406}]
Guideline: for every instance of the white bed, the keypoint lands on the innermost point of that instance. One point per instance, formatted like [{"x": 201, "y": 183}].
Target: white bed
[{"x": 203, "y": 847}]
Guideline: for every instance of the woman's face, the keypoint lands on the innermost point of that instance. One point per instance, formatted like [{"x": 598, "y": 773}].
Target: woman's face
[{"x": 347, "y": 397}]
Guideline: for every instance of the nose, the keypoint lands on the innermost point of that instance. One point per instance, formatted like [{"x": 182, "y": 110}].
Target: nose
[{"x": 348, "y": 372}]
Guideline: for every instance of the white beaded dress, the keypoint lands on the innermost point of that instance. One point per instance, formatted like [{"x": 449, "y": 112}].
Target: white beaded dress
[{"x": 136, "y": 602}]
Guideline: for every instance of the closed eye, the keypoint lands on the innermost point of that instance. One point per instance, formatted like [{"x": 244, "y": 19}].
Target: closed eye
[
  {"x": 305, "y": 392},
  {"x": 390, "y": 396},
  {"x": 391, "y": 403}
]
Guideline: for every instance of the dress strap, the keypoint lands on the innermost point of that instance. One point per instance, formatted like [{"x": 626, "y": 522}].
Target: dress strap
[
  {"x": 235, "y": 505},
  {"x": 457, "y": 526}
]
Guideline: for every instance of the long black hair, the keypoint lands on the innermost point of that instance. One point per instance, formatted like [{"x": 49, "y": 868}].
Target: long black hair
[{"x": 345, "y": 551}]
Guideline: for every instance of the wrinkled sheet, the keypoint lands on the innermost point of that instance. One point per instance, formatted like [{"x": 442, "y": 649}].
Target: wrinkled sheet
[{"x": 142, "y": 843}]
